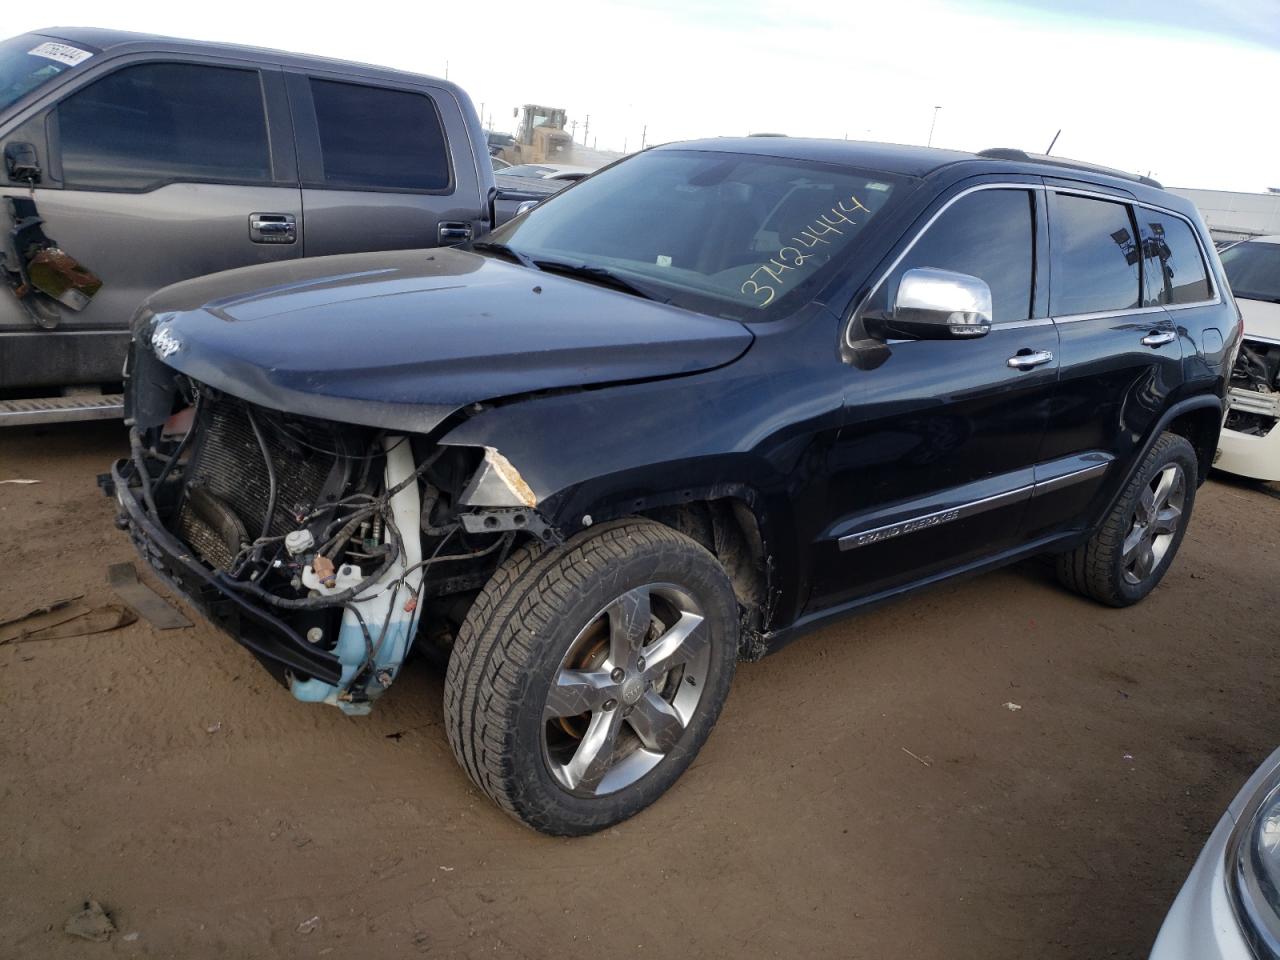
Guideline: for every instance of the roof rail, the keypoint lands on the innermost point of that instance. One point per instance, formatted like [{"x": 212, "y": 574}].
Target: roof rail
[{"x": 1013, "y": 153}]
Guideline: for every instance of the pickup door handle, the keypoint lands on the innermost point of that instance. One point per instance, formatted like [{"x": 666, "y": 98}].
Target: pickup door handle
[
  {"x": 273, "y": 228},
  {"x": 453, "y": 231},
  {"x": 1030, "y": 359},
  {"x": 1158, "y": 338}
]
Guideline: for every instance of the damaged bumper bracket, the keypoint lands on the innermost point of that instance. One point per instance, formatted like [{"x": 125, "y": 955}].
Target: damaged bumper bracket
[{"x": 262, "y": 633}]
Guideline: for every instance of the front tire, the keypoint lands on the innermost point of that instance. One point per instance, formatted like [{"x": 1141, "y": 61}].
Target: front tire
[
  {"x": 1133, "y": 548},
  {"x": 586, "y": 677}
]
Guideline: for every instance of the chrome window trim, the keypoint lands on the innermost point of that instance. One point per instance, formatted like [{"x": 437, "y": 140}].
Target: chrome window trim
[
  {"x": 936, "y": 518},
  {"x": 1045, "y": 189},
  {"x": 1016, "y": 324},
  {"x": 1134, "y": 202},
  {"x": 1011, "y": 325},
  {"x": 1029, "y": 187},
  {"x": 1106, "y": 314}
]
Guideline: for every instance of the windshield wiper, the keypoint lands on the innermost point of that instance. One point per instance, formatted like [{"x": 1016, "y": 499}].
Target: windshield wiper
[
  {"x": 505, "y": 251},
  {"x": 599, "y": 275}
]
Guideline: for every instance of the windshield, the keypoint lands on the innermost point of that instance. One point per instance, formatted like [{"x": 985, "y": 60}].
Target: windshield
[
  {"x": 724, "y": 233},
  {"x": 30, "y": 60},
  {"x": 1253, "y": 269}
]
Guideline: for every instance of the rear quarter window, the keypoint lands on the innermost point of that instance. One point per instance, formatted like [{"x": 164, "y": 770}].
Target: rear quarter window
[
  {"x": 375, "y": 138},
  {"x": 1172, "y": 263}
]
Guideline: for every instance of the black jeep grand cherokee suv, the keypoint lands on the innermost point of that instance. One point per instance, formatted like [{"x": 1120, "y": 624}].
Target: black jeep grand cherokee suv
[{"x": 696, "y": 404}]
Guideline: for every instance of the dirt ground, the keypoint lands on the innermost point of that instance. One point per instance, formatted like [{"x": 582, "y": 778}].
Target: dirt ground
[{"x": 168, "y": 776}]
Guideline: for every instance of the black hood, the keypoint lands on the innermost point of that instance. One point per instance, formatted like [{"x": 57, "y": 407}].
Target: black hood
[{"x": 401, "y": 340}]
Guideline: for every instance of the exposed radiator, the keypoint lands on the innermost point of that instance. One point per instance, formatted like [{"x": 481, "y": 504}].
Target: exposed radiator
[{"x": 227, "y": 465}]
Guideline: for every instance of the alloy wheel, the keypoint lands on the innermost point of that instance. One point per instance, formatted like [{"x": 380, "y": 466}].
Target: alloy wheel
[
  {"x": 1154, "y": 523},
  {"x": 625, "y": 690}
]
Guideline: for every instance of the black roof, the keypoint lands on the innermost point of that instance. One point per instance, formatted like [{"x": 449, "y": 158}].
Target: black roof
[
  {"x": 913, "y": 161},
  {"x": 890, "y": 157}
]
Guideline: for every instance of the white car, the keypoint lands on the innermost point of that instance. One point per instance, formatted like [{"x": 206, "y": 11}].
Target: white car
[
  {"x": 1250, "y": 443},
  {"x": 1229, "y": 908}
]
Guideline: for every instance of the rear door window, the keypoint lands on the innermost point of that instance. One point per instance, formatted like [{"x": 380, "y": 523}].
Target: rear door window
[
  {"x": 1172, "y": 264},
  {"x": 379, "y": 139},
  {"x": 154, "y": 123},
  {"x": 988, "y": 234},
  {"x": 1094, "y": 256}
]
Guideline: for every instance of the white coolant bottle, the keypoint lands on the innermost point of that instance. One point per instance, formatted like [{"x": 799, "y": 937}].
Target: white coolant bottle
[{"x": 380, "y": 598}]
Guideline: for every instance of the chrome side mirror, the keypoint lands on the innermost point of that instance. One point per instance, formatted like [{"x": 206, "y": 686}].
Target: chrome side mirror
[{"x": 935, "y": 304}]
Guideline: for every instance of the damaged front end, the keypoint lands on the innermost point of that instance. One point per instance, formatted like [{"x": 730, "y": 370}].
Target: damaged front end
[
  {"x": 322, "y": 547},
  {"x": 295, "y": 467},
  {"x": 1255, "y": 387},
  {"x": 1250, "y": 444}
]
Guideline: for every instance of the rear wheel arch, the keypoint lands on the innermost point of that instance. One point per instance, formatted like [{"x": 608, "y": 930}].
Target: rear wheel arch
[
  {"x": 1136, "y": 526},
  {"x": 1201, "y": 425}
]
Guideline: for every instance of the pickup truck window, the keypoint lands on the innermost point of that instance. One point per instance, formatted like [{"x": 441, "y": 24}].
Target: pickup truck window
[
  {"x": 744, "y": 236},
  {"x": 30, "y": 60},
  {"x": 1095, "y": 256},
  {"x": 1172, "y": 264},
  {"x": 379, "y": 139},
  {"x": 154, "y": 123}
]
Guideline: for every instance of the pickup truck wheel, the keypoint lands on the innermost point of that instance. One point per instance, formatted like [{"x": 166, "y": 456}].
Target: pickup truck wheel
[
  {"x": 1130, "y": 552},
  {"x": 587, "y": 677}
]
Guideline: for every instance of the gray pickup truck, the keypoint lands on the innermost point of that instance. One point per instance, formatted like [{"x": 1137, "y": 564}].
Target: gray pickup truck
[{"x": 131, "y": 162}]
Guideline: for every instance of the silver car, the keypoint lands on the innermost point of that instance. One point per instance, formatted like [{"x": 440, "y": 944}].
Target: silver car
[{"x": 1229, "y": 907}]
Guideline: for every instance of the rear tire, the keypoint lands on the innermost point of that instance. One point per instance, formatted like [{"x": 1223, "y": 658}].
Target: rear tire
[
  {"x": 586, "y": 677},
  {"x": 1135, "y": 545}
]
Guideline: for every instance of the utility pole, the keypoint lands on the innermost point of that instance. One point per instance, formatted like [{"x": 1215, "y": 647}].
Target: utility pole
[
  {"x": 446, "y": 69},
  {"x": 643, "y": 134},
  {"x": 932, "y": 124},
  {"x": 624, "y": 144},
  {"x": 482, "y": 126},
  {"x": 586, "y": 129},
  {"x": 573, "y": 130}
]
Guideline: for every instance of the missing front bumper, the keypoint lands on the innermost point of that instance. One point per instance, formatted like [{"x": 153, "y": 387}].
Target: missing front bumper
[
  {"x": 1249, "y": 445},
  {"x": 265, "y": 635}
]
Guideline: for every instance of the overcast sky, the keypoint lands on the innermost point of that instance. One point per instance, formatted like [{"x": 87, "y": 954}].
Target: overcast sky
[{"x": 1184, "y": 89}]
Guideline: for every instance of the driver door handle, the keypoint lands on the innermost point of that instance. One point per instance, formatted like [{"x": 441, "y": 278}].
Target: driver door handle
[
  {"x": 1031, "y": 359},
  {"x": 1158, "y": 338}
]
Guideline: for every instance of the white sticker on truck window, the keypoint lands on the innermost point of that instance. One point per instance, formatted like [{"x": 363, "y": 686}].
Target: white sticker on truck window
[{"x": 61, "y": 52}]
